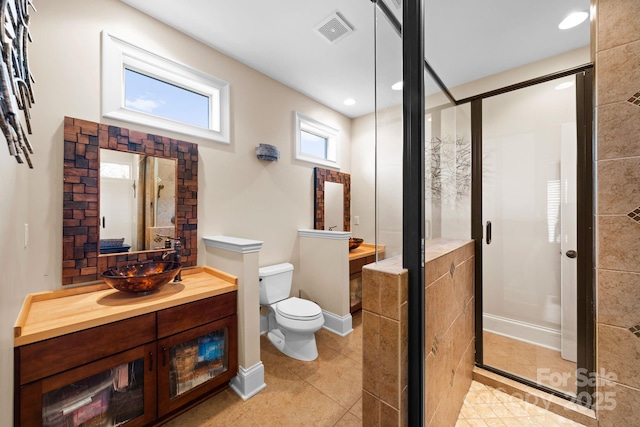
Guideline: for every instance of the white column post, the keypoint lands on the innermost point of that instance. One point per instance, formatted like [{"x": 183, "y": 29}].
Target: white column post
[{"x": 240, "y": 257}]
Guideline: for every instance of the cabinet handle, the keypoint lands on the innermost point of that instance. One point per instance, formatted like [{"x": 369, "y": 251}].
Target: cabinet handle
[
  {"x": 488, "y": 232},
  {"x": 164, "y": 356},
  {"x": 151, "y": 361}
]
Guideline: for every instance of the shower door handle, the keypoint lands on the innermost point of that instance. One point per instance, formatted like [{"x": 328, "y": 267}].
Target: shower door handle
[{"x": 488, "y": 233}]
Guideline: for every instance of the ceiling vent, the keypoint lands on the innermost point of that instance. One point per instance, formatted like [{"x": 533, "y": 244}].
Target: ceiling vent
[{"x": 334, "y": 28}]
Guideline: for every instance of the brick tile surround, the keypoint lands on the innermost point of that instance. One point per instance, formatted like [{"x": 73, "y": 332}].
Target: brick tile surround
[
  {"x": 320, "y": 176},
  {"x": 83, "y": 139}
]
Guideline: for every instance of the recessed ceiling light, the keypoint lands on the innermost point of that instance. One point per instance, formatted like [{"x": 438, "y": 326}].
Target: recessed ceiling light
[
  {"x": 576, "y": 18},
  {"x": 349, "y": 101},
  {"x": 564, "y": 85},
  {"x": 397, "y": 85}
]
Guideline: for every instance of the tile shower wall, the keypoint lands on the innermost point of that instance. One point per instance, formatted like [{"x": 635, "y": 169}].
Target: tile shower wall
[
  {"x": 449, "y": 330},
  {"x": 617, "y": 40}
]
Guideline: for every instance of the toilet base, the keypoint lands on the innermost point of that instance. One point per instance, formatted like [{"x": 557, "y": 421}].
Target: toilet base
[{"x": 298, "y": 346}]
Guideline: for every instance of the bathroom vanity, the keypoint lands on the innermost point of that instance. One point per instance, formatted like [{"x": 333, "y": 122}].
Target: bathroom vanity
[
  {"x": 358, "y": 258},
  {"x": 97, "y": 356}
]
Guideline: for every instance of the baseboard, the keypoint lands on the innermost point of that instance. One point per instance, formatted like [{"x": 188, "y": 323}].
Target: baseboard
[
  {"x": 264, "y": 324},
  {"x": 523, "y": 331},
  {"x": 248, "y": 382},
  {"x": 339, "y": 325}
]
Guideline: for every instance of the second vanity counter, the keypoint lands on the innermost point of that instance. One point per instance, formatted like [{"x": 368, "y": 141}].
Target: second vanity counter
[
  {"x": 365, "y": 250},
  {"x": 358, "y": 258},
  {"x": 51, "y": 314}
]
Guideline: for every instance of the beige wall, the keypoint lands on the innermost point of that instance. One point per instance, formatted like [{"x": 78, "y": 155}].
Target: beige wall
[
  {"x": 617, "y": 45},
  {"x": 13, "y": 265},
  {"x": 389, "y": 178},
  {"x": 324, "y": 273},
  {"x": 239, "y": 195},
  {"x": 563, "y": 61}
]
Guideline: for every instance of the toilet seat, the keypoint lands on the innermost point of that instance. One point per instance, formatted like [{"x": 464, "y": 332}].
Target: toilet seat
[{"x": 298, "y": 309}]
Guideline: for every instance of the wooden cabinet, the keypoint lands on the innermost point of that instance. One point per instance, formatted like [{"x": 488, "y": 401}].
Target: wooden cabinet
[
  {"x": 140, "y": 371},
  {"x": 199, "y": 360},
  {"x": 87, "y": 395},
  {"x": 358, "y": 258}
]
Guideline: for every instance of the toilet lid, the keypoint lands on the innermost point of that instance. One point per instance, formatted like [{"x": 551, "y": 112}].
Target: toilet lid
[{"x": 298, "y": 309}]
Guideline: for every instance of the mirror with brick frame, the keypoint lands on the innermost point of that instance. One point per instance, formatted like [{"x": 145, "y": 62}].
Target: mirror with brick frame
[
  {"x": 321, "y": 177},
  {"x": 82, "y": 260}
]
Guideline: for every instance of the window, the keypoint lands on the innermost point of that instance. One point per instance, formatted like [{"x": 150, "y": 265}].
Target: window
[
  {"x": 153, "y": 96},
  {"x": 316, "y": 142},
  {"x": 115, "y": 170},
  {"x": 141, "y": 87}
]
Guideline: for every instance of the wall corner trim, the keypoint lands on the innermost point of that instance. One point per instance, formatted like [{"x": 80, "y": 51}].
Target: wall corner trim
[
  {"x": 233, "y": 244},
  {"x": 248, "y": 382},
  {"x": 339, "y": 325},
  {"x": 325, "y": 234}
]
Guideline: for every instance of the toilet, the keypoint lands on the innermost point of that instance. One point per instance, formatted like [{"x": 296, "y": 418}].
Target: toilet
[{"x": 293, "y": 321}]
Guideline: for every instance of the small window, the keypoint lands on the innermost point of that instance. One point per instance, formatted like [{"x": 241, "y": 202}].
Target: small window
[
  {"x": 141, "y": 87},
  {"x": 153, "y": 96},
  {"x": 316, "y": 142},
  {"x": 115, "y": 170}
]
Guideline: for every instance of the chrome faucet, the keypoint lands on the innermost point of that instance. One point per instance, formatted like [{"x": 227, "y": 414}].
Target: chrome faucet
[
  {"x": 332, "y": 227},
  {"x": 176, "y": 252}
]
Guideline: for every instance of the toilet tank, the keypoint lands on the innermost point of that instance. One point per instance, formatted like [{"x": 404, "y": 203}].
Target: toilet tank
[{"x": 275, "y": 283}]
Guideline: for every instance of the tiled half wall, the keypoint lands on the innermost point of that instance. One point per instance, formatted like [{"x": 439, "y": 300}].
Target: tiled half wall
[{"x": 449, "y": 335}]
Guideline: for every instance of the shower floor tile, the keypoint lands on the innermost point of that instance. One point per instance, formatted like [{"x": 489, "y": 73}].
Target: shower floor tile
[
  {"x": 535, "y": 363},
  {"x": 487, "y": 406}
]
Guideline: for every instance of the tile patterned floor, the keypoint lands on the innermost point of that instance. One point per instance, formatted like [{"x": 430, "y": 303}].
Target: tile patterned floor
[
  {"x": 530, "y": 361},
  {"x": 486, "y": 406},
  {"x": 327, "y": 392}
]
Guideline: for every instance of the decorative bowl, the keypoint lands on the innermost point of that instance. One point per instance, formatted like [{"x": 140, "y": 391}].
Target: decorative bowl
[
  {"x": 141, "y": 278},
  {"x": 354, "y": 242}
]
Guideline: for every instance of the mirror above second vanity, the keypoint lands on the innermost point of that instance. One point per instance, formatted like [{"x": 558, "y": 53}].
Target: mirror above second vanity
[
  {"x": 332, "y": 200},
  {"x": 167, "y": 196}
]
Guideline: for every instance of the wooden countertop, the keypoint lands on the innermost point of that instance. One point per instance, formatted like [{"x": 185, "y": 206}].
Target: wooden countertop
[
  {"x": 51, "y": 314},
  {"x": 365, "y": 250}
]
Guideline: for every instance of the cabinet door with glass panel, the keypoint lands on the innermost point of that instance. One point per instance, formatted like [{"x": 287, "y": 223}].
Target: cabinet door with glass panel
[
  {"x": 113, "y": 391},
  {"x": 195, "y": 362}
]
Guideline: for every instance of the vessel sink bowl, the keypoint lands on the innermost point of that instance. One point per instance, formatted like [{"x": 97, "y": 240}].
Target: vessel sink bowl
[
  {"x": 354, "y": 242},
  {"x": 141, "y": 278}
]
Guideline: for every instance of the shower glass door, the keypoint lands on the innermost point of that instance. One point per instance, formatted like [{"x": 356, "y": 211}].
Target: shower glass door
[{"x": 529, "y": 147}]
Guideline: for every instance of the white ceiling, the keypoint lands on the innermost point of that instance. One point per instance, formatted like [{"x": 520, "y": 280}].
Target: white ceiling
[{"x": 464, "y": 40}]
